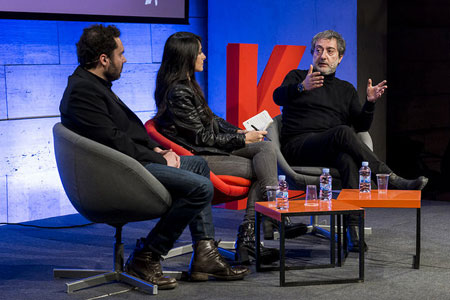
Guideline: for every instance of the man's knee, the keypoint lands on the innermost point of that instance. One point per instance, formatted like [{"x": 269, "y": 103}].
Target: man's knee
[
  {"x": 205, "y": 189},
  {"x": 345, "y": 133},
  {"x": 198, "y": 165}
]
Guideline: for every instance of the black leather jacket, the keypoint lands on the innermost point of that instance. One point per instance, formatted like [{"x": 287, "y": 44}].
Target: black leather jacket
[{"x": 186, "y": 123}]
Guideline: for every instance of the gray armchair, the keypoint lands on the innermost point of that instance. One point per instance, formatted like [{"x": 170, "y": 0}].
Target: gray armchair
[
  {"x": 106, "y": 186},
  {"x": 301, "y": 176}
]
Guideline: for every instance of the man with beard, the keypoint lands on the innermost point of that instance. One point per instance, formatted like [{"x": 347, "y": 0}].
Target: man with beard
[
  {"x": 321, "y": 115},
  {"x": 90, "y": 108}
]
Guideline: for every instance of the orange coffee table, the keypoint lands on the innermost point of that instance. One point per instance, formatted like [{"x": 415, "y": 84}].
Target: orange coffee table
[
  {"x": 298, "y": 208},
  {"x": 390, "y": 199}
]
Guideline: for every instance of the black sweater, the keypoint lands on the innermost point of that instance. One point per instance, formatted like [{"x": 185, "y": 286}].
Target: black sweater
[{"x": 335, "y": 103}]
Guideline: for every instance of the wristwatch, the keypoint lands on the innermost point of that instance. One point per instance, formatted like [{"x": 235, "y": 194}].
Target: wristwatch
[{"x": 300, "y": 87}]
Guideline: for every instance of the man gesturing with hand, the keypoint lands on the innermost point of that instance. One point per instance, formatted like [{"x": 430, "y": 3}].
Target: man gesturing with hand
[{"x": 321, "y": 115}]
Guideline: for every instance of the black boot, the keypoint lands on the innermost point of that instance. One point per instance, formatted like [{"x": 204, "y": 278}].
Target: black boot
[
  {"x": 291, "y": 230},
  {"x": 353, "y": 239},
  {"x": 146, "y": 265},
  {"x": 245, "y": 246},
  {"x": 207, "y": 262},
  {"x": 401, "y": 183}
]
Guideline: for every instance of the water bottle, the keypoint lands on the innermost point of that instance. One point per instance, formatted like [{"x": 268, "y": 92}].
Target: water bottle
[
  {"x": 282, "y": 193},
  {"x": 364, "y": 178},
  {"x": 325, "y": 185}
]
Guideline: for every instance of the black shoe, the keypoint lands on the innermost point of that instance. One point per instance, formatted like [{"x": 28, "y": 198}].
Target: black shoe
[
  {"x": 245, "y": 246},
  {"x": 291, "y": 230},
  {"x": 401, "y": 183},
  {"x": 146, "y": 265},
  {"x": 207, "y": 262},
  {"x": 353, "y": 240}
]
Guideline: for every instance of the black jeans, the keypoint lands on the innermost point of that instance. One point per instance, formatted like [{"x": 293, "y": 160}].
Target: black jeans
[
  {"x": 338, "y": 147},
  {"x": 192, "y": 193}
]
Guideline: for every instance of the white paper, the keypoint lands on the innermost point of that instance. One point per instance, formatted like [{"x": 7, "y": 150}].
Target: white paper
[{"x": 258, "y": 122}]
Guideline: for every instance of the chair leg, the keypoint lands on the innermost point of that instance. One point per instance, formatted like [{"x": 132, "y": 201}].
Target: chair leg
[
  {"x": 101, "y": 277},
  {"x": 91, "y": 281},
  {"x": 97, "y": 277}
]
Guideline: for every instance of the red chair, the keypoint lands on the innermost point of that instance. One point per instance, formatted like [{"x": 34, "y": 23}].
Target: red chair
[{"x": 231, "y": 191}]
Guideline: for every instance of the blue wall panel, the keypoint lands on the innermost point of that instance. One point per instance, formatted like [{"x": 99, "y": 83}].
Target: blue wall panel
[
  {"x": 198, "y": 9},
  {"x": 3, "y": 112},
  {"x": 160, "y": 33},
  {"x": 36, "y": 57},
  {"x": 28, "y": 42},
  {"x": 33, "y": 187},
  {"x": 3, "y": 200},
  {"x": 135, "y": 37},
  {"x": 69, "y": 33},
  {"x": 137, "y": 85},
  {"x": 269, "y": 23},
  {"x": 35, "y": 90}
]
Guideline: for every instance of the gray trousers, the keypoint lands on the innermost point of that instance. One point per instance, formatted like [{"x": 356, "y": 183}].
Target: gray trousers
[{"x": 257, "y": 162}]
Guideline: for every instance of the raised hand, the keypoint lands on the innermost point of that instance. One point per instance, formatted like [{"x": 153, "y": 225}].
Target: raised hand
[
  {"x": 375, "y": 92},
  {"x": 313, "y": 80}
]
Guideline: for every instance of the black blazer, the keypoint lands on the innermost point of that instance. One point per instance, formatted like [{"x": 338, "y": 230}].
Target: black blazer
[{"x": 90, "y": 108}]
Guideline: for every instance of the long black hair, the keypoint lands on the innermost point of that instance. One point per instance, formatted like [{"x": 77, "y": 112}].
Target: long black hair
[{"x": 178, "y": 66}]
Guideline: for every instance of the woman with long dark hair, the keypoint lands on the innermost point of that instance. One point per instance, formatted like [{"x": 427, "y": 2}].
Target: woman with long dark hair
[{"x": 184, "y": 117}]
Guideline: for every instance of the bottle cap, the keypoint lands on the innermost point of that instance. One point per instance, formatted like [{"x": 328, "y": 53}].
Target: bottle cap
[
  {"x": 281, "y": 177},
  {"x": 326, "y": 170},
  {"x": 365, "y": 163}
]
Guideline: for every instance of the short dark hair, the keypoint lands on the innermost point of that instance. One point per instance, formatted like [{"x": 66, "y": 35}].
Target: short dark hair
[
  {"x": 95, "y": 41},
  {"x": 329, "y": 34}
]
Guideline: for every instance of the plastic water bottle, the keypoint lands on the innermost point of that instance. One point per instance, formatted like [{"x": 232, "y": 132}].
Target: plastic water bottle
[
  {"x": 326, "y": 190},
  {"x": 364, "y": 178},
  {"x": 282, "y": 193}
]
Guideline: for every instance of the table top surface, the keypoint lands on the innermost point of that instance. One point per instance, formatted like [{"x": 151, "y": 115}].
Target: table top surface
[
  {"x": 298, "y": 207},
  {"x": 389, "y": 199}
]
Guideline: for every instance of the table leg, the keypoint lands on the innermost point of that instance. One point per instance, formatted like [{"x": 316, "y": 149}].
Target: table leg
[
  {"x": 257, "y": 241},
  {"x": 282, "y": 252},
  {"x": 416, "y": 263},
  {"x": 332, "y": 241},
  {"x": 345, "y": 237},
  {"x": 361, "y": 246},
  {"x": 339, "y": 241}
]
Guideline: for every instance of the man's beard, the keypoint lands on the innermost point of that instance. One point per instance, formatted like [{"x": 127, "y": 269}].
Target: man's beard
[
  {"x": 113, "y": 72},
  {"x": 328, "y": 70}
]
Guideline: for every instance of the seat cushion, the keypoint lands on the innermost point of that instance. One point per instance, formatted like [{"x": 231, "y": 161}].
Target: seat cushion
[{"x": 315, "y": 171}]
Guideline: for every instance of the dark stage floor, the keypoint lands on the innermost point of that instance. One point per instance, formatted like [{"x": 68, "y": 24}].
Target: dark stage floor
[{"x": 28, "y": 256}]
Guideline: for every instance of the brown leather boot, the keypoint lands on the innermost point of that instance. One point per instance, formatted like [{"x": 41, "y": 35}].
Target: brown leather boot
[
  {"x": 207, "y": 262},
  {"x": 146, "y": 265}
]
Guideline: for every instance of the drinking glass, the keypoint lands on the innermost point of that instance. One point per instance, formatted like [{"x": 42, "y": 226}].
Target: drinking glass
[
  {"x": 272, "y": 195},
  {"x": 311, "y": 196}
]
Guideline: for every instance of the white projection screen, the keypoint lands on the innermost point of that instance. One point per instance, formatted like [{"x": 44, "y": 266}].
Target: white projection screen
[{"x": 138, "y": 11}]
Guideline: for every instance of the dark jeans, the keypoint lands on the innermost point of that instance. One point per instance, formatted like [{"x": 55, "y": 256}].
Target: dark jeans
[
  {"x": 337, "y": 147},
  {"x": 257, "y": 162},
  {"x": 192, "y": 193}
]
